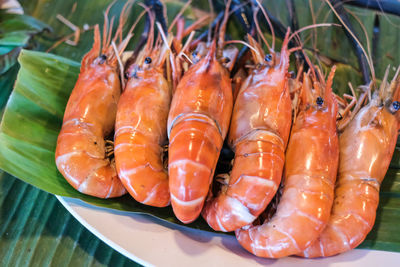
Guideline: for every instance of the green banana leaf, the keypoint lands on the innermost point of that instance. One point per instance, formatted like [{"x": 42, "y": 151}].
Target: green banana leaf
[
  {"x": 40, "y": 9},
  {"x": 16, "y": 31},
  {"x": 32, "y": 120},
  {"x": 34, "y": 111},
  {"x": 30, "y": 125}
]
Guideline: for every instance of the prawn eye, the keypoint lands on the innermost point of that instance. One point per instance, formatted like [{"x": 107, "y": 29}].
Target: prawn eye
[
  {"x": 194, "y": 54},
  {"x": 147, "y": 60},
  {"x": 319, "y": 101},
  {"x": 268, "y": 57},
  {"x": 395, "y": 106},
  {"x": 103, "y": 58}
]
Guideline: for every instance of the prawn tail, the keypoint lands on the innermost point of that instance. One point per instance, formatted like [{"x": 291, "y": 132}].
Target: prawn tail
[
  {"x": 194, "y": 148},
  {"x": 94, "y": 176},
  {"x": 140, "y": 169},
  {"x": 221, "y": 215},
  {"x": 245, "y": 240},
  {"x": 254, "y": 180}
]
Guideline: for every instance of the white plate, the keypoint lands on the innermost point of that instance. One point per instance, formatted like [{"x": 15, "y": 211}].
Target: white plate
[{"x": 152, "y": 242}]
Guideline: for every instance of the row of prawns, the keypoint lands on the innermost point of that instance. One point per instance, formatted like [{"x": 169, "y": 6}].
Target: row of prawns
[{"x": 330, "y": 181}]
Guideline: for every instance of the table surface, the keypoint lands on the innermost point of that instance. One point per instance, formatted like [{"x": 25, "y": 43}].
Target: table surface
[{"x": 36, "y": 230}]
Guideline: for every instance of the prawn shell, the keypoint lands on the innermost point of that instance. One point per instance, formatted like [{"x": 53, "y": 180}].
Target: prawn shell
[
  {"x": 89, "y": 118},
  {"x": 309, "y": 176},
  {"x": 198, "y": 123},
  {"x": 366, "y": 148},
  {"x": 141, "y": 132},
  {"x": 259, "y": 131}
]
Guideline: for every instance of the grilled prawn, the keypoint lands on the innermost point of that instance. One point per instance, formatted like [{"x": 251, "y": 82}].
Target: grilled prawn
[
  {"x": 81, "y": 153},
  {"x": 258, "y": 135},
  {"x": 141, "y": 126},
  {"x": 309, "y": 177},
  {"x": 366, "y": 148},
  {"x": 198, "y": 122}
]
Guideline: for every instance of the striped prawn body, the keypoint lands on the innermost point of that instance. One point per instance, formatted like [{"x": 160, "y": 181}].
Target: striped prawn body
[
  {"x": 309, "y": 176},
  {"x": 141, "y": 124},
  {"x": 366, "y": 148},
  {"x": 197, "y": 126},
  {"x": 258, "y": 134},
  {"x": 141, "y": 133},
  {"x": 88, "y": 119}
]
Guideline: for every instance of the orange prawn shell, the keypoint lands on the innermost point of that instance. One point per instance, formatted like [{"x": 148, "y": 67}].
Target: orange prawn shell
[
  {"x": 308, "y": 123},
  {"x": 205, "y": 89},
  {"x": 141, "y": 131},
  {"x": 367, "y": 145},
  {"x": 197, "y": 125},
  {"x": 375, "y": 123},
  {"x": 87, "y": 99},
  {"x": 251, "y": 110},
  {"x": 310, "y": 171},
  {"x": 259, "y": 130},
  {"x": 89, "y": 118}
]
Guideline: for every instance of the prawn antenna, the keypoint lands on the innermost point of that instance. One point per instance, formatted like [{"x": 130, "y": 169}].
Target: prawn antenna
[
  {"x": 269, "y": 23},
  {"x": 354, "y": 37},
  {"x": 296, "y": 33},
  {"x": 360, "y": 55},
  {"x": 122, "y": 20},
  {"x": 121, "y": 66},
  {"x": 157, "y": 7},
  {"x": 180, "y": 13},
  {"x": 222, "y": 30},
  {"x": 206, "y": 33},
  {"x": 106, "y": 26},
  {"x": 307, "y": 59},
  {"x": 260, "y": 33},
  {"x": 185, "y": 46},
  {"x": 163, "y": 35},
  {"x": 167, "y": 42},
  {"x": 386, "y": 7},
  {"x": 243, "y": 43}
]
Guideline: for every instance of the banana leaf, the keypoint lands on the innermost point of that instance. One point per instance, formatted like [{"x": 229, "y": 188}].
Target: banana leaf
[
  {"x": 30, "y": 125},
  {"x": 16, "y": 31},
  {"x": 32, "y": 120},
  {"x": 76, "y": 12},
  {"x": 34, "y": 111}
]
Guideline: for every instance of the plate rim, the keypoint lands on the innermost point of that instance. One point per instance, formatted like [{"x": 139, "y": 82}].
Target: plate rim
[
  {"x": 331, "y": 261},
  {"x": 99, "y": 235}
]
